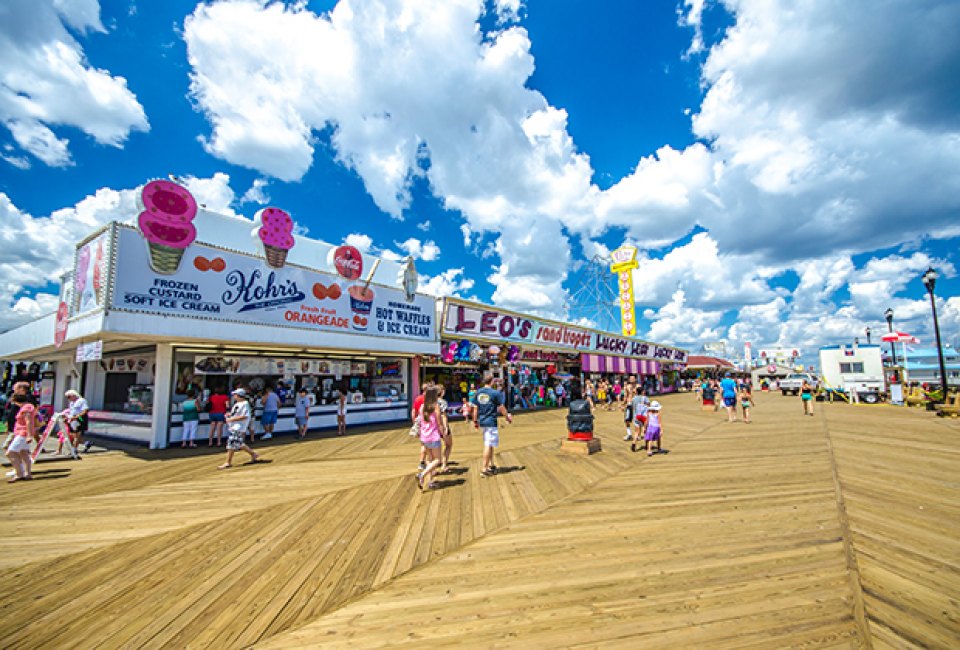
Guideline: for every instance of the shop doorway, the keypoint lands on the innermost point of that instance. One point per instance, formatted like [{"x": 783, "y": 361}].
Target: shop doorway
[{"x": 118, "y": 390}]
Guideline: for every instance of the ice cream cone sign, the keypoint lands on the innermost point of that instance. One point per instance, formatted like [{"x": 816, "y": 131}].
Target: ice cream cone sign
[
  {"x": 275, "y": 232},
  {"x": 165, "y": 221}
]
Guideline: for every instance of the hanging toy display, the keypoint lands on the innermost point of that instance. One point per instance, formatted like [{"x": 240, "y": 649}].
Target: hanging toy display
[
  {"x": 493, "y": 353},
  {"x": 450, "y": 352},
  {"x": 463, "y": 351},
  {"x": 475, "y": 352}
]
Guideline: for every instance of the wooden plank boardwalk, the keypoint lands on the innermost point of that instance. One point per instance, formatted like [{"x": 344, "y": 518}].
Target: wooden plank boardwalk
[{"x": 833, "y": 531}]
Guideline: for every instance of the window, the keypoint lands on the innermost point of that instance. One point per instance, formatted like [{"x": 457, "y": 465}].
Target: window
[{"x": 851, "y": 368}]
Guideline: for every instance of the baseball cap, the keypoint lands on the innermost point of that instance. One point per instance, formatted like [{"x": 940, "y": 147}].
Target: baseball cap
[{"x": 239, "y": 392}]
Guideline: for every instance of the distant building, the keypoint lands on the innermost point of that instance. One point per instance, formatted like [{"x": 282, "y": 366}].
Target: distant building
[{"x": 923, "y": 366}]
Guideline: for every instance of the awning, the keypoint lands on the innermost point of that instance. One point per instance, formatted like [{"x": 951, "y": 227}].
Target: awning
[
  {"x": 618, "y": 365},
  {"x": 700, "y": 362},
  {"x": 899, "y": 337}
]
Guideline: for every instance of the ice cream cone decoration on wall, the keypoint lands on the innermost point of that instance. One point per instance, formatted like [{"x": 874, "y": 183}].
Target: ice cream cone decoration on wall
[
  {"x": 165, "y": 221},
  {"x": 276, "y": 235}
]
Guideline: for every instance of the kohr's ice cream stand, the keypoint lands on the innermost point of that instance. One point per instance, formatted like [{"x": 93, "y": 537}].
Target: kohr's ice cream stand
[{"x": 180, "y": 299}]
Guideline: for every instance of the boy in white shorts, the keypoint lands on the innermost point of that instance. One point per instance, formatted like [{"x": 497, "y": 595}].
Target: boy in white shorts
[{"x": 487, "y": 404}]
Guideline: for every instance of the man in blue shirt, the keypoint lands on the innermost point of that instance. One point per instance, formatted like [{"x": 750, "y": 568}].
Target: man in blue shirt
[
  {"x": 271, "y": 409},
  {"x": 728, "y": 389},
  {"x": 487, "y": 404}
]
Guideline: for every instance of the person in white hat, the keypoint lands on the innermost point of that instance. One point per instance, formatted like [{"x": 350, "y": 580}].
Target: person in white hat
[
  {"x": 77, "y": 414},
  {"x": 237, "y": 422},
  {"x": 654, "y": 430}
]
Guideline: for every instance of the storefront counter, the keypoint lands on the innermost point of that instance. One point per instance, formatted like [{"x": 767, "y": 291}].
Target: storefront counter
[
  {"x": 130, "y": 427},
  {"x": 321, "y": 417}
]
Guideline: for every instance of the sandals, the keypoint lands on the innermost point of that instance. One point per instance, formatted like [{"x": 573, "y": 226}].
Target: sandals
[{"x": 224, "y": 466}]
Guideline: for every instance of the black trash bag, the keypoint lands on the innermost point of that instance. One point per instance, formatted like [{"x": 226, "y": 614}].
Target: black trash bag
[{"x": 579, "y": 418}]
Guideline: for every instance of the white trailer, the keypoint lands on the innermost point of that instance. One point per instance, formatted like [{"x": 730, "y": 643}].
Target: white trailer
[{"x": 854, "y": 370}]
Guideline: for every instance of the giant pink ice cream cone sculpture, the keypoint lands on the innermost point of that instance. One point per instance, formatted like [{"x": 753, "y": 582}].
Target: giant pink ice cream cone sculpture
[
  {"x": 168, "y": 210},
  {"x": 276, "y": 234}
]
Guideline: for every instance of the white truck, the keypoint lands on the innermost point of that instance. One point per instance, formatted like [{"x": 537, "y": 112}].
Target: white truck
[
  {"x": 854, "y": 370},
  {"x": 792, "y": 383}
]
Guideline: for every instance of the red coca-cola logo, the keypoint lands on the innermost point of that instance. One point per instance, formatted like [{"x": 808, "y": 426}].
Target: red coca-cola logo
[
  {"x": 349, "y": 262},
  {"x": 60, "y": 326}
]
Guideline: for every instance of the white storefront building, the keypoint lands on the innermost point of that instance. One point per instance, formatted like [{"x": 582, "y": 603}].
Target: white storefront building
[{"x": 179, "y": 298}]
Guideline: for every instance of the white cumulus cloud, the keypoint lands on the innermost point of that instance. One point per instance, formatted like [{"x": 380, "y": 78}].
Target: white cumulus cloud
[{"x": 46, "y": 81}]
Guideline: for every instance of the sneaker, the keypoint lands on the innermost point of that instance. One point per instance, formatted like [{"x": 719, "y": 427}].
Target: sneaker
[
  {"x": 627, "y": 437},
  {"x": 87, "y": 445},
  {"x": 633, "y": 446},
  {"x": 422, "y": 466},
  {"x": 266, "y": 436}
]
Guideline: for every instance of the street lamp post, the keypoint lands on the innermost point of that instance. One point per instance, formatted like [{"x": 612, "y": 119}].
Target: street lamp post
[
  {"x": 930, "y": 282},
  {"x": 893, "y": 346}
]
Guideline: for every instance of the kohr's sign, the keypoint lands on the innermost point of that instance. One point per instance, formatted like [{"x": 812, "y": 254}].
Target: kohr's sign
[{"x": 216, "y": 284}]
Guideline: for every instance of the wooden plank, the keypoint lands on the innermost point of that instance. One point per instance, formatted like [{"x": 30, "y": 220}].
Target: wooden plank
[{"x": 732, "y": 540}]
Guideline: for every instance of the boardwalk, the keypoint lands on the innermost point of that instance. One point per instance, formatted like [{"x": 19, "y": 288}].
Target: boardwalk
[{"x": 833, "y": 531}]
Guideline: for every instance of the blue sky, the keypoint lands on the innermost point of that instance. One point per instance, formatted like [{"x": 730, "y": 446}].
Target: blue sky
[{"x": 787, "y": 173}]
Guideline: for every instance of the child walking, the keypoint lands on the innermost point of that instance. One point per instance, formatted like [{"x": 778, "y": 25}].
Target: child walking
[
  {"x": 654, "y": 429},
  {"x": 746, "y": 401},
  {"x": 238, "y": 421},
  {"x": 24, "y": 432},
  {"x": 430, "y": 437}
]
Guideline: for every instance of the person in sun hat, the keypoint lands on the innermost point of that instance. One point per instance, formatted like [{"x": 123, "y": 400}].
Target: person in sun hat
[
  {"x": 237, "y": 422},
  {"x": 654, "y": 429}
]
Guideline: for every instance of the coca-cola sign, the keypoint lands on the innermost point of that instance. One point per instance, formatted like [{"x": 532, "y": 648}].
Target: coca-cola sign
[{"x": 348, "y": 261}]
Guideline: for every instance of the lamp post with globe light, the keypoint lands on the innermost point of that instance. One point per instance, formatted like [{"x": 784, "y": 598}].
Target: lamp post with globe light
[
  {"x": 930, "y": 282},
  {"x": 893, "y": 346}
]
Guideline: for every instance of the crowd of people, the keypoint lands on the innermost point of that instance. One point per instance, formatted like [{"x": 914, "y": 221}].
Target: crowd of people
[
  {"x": 726, "y": 392},
  {"x": 432, "y": 426},
  {"x": 232, "y": 420},
  {"x": 267, "y": 403}
]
